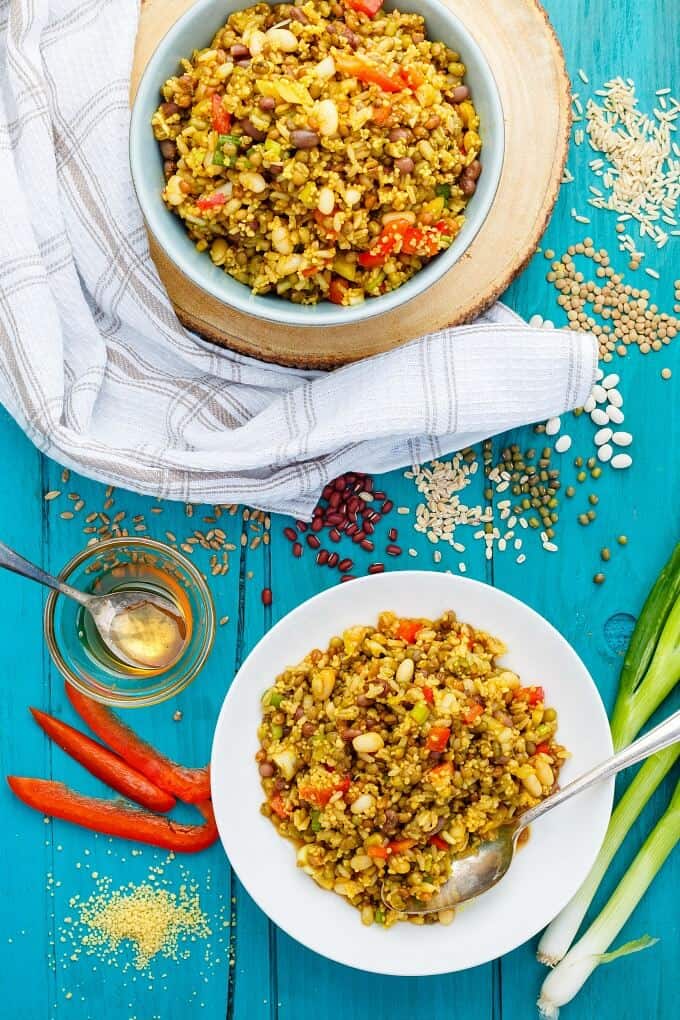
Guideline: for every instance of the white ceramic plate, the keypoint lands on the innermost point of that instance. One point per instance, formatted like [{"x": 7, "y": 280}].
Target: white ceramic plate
[{"x": 546, "y": 872}]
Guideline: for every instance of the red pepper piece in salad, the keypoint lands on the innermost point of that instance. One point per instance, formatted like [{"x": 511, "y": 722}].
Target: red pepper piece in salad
[{"x": 221, "y": 120}]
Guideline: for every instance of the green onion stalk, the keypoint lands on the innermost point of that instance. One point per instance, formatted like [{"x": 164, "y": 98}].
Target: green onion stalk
[
  {"x": 569, "y": 976},
  {"x": 650, "y": 670}
]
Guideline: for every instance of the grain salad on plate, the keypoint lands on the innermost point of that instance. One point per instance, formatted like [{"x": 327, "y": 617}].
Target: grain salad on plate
[
  {"x": 397, "y": 748},
  {"x": 320, "y": 151}
]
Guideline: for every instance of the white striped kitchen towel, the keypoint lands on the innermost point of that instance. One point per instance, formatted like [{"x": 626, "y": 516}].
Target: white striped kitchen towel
[{"x": 99, "y": 373}]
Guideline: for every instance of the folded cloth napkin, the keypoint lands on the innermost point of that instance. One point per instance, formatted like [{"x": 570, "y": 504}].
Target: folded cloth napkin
[{"x": 96, "y": 368}]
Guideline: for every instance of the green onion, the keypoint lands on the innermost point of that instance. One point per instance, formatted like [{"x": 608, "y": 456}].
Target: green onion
[
  {"x": 651, "y": 667},
  {"x": 276, "y": 699},
  {"x": 218, "y": 158},
  {"x": 316, "y": 821},
  {"x": 568, "y": 977},
  {"x": 559, "y": 935},
  {"x": 277, "y": 732},
  {"x": 444, "y": 191},
  {"x": 420, "y": 712},
  {"x": 650, "y": 670},
  {"x": 379, "y": 916}
]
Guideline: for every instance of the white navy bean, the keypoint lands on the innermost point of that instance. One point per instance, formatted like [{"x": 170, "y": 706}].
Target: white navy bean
[
  {"x": 602, "y": 436},
  {"x": 622, "y": 460},
  {"x": 563, "y": 444},
  {"x": 600, "y": 393},
  {"x": 615, "y": 398},
  {"x": 599, "y": 417},
  {"x": 610, "y": 381},
  {"x": 605, "y": 453},
  {"x": 589, "y": 404},
  {"x": 598, "y": 374},
  {"x": 615, "y": 414},
  {"x": 553, "y": 426},
  {"x": 622, "y": 438}
]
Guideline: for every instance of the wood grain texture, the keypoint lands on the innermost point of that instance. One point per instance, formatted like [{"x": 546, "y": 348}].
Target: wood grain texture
[
  {"x": 272, "y": 977},
  {"x": 534, "y": 91}
]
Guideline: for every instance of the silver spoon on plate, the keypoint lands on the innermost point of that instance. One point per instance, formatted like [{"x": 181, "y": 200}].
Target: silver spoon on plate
[
  {"x": 141, "y": 629},
  {"x": 478, "y": 872}
]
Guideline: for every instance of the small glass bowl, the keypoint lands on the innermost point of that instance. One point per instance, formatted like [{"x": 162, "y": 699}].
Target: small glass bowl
[{"x": 105, "y": 682}]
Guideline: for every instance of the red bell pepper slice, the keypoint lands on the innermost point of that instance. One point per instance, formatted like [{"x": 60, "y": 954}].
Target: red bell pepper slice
[
  {"x": 104, "y": 764},
  {"x": 213, "y": 201},
  {"x": 543, "y": 747},
  {"x": 532, "y": 695},
  {"x": 190, "y": 785},
  {"x": 428, "y": 694},
  {"x": 337, "y": 290},
  {"x": 475, "y": 710},
  {"x": 397, "y": 846},
  {"x": 113, "y": 818},
  {"x": 355, "y": 67},
  {"x": 408, "y": 630},
  {"x": 417, "y": 241},
  {"x": 441, "y": 772},
  {"x": 221, "y": 120},
  {"x": 368, "y": 7},
  {"x": 412, "y": 78},
  {"x": 438, "y": 738},
  {"x": 279, "y": 806},
  {"x": 320, "y": 795},
  {"x": 440, "y": 843}
]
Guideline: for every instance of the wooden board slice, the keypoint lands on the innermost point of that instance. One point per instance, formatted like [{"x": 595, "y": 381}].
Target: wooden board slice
[{"x": 528, "y": 64}]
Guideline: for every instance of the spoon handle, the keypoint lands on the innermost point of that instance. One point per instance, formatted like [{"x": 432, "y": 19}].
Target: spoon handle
[
  {"x": 663, "y": 735},
  {"x": 11, "y": 560}
]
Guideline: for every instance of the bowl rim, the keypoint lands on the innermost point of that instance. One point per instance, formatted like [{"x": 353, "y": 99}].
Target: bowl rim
[
  {"x": 277, "y": 310},
  {"x": 270, "y": 906},
  {"x": 117, "y": 699}
]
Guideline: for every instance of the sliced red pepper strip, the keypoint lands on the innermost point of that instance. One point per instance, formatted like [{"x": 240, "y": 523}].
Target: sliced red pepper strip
[
  {"x": 355, "y": 67},
  {"x": 211, "y": 201},
  {"x": 473, "y": 713},
  {"x": 533, "y": 695},
  {"x": 368, "y": 7},
  {"x": 114, "y": 819},
  {"x": 104, "y": 764},
  {"x": 221, "y": 120},
  {"x": 190, "y": 785},
  {"x": 320, "y": 795},
  {"x": 397, "y": 846},
  {"x": 543, "y": 747},
  {"x": 440, "y": 843},
  {"x": 279, "y": 806},
  {"x": 428, "y": 694},
  {"x": 412, "y": 78},
  {"x": 438, "y": 738},
  {"x": 408, "y": 630},
  {"x": 337, "y": 290}
]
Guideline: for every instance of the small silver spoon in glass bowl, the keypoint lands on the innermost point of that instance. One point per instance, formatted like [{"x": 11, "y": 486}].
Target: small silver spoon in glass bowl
[
  {"x": 475, "y": 873},
  {"x": 141, "y": 629}
]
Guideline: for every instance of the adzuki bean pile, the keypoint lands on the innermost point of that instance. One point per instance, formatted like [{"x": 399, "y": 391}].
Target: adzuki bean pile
[{"x": 352, "y": 507}]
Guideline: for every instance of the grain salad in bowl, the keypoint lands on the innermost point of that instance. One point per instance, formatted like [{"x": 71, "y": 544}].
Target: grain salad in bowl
[
  {"x": 397, "y": 748},
  {"x": 320, "y": 151}
]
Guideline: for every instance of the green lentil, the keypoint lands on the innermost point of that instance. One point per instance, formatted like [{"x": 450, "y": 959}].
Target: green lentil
[
  {"x": 593, "y": 499},
  {"x": 570, "y": 491},
  {"x": 581, "y": 476},
  {"x": 591, "y": 515},
  {"x": 598, "y": 578},
  {"x": 605, "y": 554},
  {"x": 622, "y": 540},
  {"x": 596, "y": 472},
  {"x": 583, "y": 519}
]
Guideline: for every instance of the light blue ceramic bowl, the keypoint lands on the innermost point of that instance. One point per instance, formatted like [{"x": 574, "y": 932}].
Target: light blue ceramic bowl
[{"x": 195, "y": 30}]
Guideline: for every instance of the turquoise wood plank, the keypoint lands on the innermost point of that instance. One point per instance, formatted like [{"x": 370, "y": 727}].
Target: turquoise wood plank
[
  {"x": 26, "y": 931},
  {"x": 271, "y": 975}
]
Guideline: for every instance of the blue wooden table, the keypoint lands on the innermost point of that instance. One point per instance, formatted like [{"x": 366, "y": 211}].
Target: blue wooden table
[{"x": 248, "y": 970}]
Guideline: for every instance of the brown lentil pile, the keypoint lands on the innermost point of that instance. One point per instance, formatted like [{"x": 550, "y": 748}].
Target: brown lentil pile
[{"x": 628, "y": 317}]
